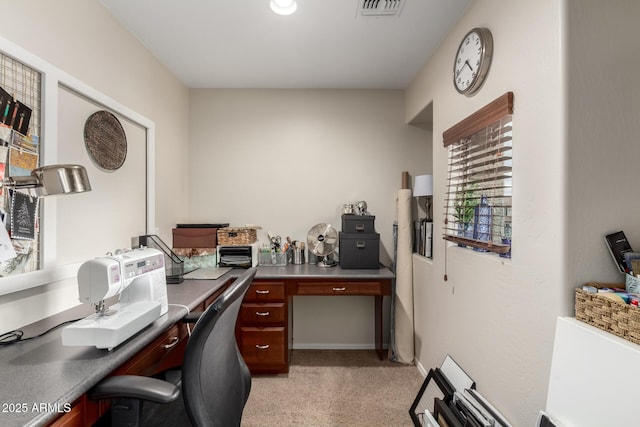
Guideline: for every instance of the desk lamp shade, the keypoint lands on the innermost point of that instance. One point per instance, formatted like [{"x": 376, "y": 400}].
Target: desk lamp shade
[
  {"x": 52, "y": 180},
  {"x": 423, "y": 186}
]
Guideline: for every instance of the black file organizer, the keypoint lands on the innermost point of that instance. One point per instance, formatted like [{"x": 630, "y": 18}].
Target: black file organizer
[{"x": 173, "y": 265}]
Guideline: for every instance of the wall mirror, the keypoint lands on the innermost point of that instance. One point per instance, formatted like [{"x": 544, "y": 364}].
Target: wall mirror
[{"x": 70, "y": 229}]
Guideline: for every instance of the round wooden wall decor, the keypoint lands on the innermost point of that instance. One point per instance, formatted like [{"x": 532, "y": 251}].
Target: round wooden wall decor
[{"x": 105, "y": 140}]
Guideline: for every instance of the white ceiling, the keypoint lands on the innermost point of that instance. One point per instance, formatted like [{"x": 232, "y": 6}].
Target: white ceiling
[{"x": 325, "y": 44}]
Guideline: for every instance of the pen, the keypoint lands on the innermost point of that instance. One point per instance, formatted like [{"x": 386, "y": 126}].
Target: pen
[
  {"x": 6, "y": 112},
  {"x": 13, "y": 116}
]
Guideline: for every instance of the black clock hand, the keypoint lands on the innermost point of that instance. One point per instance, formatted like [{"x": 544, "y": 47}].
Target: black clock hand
[{"x": 468, "y": 65}]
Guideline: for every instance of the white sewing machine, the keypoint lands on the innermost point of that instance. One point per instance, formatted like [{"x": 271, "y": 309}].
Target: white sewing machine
[{"x": 138, "y": 277}]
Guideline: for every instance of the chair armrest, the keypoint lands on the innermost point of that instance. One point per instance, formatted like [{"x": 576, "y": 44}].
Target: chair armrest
[
  {"x": 136, "y": 387},
  {"x": 192, "y": 317}
]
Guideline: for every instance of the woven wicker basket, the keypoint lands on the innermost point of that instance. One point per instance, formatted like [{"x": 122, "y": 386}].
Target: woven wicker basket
[
  {"x": 237, "y": 236},
  {"x": 615, "y": 317}
]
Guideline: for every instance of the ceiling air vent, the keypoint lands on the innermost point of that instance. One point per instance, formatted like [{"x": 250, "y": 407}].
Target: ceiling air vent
[{"x": 380, "y": 7}]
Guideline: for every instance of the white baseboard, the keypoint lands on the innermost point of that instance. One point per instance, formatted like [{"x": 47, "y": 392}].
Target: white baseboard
[
  {"x": 332, "y": 346},
  {"x": 421, "y": 368}
]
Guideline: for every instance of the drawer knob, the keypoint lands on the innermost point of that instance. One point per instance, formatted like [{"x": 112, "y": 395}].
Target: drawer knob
[
  {"x": 262, "y": 347},
  {"x": 340, "y": 289},
  {"x": 262, "y": 313},
  {"x": 173, "y": 343},
  {"x": 259, "y": 291}
]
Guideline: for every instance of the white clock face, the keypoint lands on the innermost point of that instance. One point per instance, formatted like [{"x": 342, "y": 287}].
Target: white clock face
[
  {"x": 468, "y": 62},
  {"x": 472, "y": 61}
]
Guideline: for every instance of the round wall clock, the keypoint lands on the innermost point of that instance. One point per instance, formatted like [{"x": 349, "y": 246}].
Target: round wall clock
[{"x": 473, "y": 60}]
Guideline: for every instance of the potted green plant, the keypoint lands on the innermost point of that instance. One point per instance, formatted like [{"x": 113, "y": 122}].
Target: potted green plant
[{"x": 464, "y": 207}]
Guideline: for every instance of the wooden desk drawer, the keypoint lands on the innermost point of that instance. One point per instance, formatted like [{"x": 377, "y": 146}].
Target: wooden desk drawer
[
  {"x": 338, "y": 288},
  {"x": 166, "y": 351},
  {"x": 263, "y": 346},
  {"x": 260, "y": 291},
  {"x": 262, "y": 313},
  {"x": 76, "y": 416}
]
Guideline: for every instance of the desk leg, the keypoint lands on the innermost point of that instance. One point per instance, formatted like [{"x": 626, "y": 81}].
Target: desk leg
[{"x": 379, "y": 326}]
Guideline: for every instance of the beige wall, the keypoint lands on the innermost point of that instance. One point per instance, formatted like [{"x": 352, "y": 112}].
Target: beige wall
[
  {"x": 574, "y": 168},
  {"x": 495, "y": 317},
  {"x": 288, "y": 159},
  {"x": 82, "y": 39},
  {"x": 603, "y": 110}
]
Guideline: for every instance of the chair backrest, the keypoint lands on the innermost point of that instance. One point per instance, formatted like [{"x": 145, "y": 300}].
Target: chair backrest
[{"x": 215, "y": 379}]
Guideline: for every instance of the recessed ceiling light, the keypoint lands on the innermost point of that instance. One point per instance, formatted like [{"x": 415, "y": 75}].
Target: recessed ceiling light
[{"x": 284, "y": 7}]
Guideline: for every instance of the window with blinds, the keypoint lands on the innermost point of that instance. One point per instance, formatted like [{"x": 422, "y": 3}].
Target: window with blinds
[{"x": 479, "y": 181}]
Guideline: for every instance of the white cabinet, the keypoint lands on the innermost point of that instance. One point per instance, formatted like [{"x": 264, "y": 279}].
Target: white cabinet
[{"x": 594, "y": 377}]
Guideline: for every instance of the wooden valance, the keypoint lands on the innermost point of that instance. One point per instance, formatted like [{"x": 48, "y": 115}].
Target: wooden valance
[{"x": 482, "y": 118}]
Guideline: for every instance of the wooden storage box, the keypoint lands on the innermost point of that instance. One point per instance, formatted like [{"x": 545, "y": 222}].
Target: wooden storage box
[
  {"x": 195, "y": 237},
  {"x": 237, "y": 236},
  {"x": 604, "y": 313}
]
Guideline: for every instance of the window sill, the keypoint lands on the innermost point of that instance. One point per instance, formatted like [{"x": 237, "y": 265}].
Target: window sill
[
  {"x": 426, "y": 258},
  {"x": 498, "y": 248}
]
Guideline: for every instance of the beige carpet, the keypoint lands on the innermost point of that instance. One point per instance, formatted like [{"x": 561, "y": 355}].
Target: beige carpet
[{"x": 334, "y": 388}]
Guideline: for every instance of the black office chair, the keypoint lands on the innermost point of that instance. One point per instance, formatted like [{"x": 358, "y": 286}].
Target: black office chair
[{"x": 215, "y": 380}]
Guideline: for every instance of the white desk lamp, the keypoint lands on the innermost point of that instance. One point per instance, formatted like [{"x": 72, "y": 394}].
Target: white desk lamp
[
  {"x": 423, "y": 186},
  {"x": 51, "y": 180}
]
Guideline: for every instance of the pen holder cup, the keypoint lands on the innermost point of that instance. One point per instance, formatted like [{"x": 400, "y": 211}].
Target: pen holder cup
[{"x": 278, "y": 259}]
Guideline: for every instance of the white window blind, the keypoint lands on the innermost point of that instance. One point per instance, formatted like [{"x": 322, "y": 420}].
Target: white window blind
[{"x": 479, "y": 182}]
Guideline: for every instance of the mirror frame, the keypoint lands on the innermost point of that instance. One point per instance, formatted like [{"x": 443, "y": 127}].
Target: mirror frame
[{"x": 52, "y": 79}]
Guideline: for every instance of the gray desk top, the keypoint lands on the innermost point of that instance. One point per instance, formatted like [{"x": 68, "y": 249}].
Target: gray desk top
[
  {"x": 310, "y": 271},
  {"x": 40, "y": 377}
]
